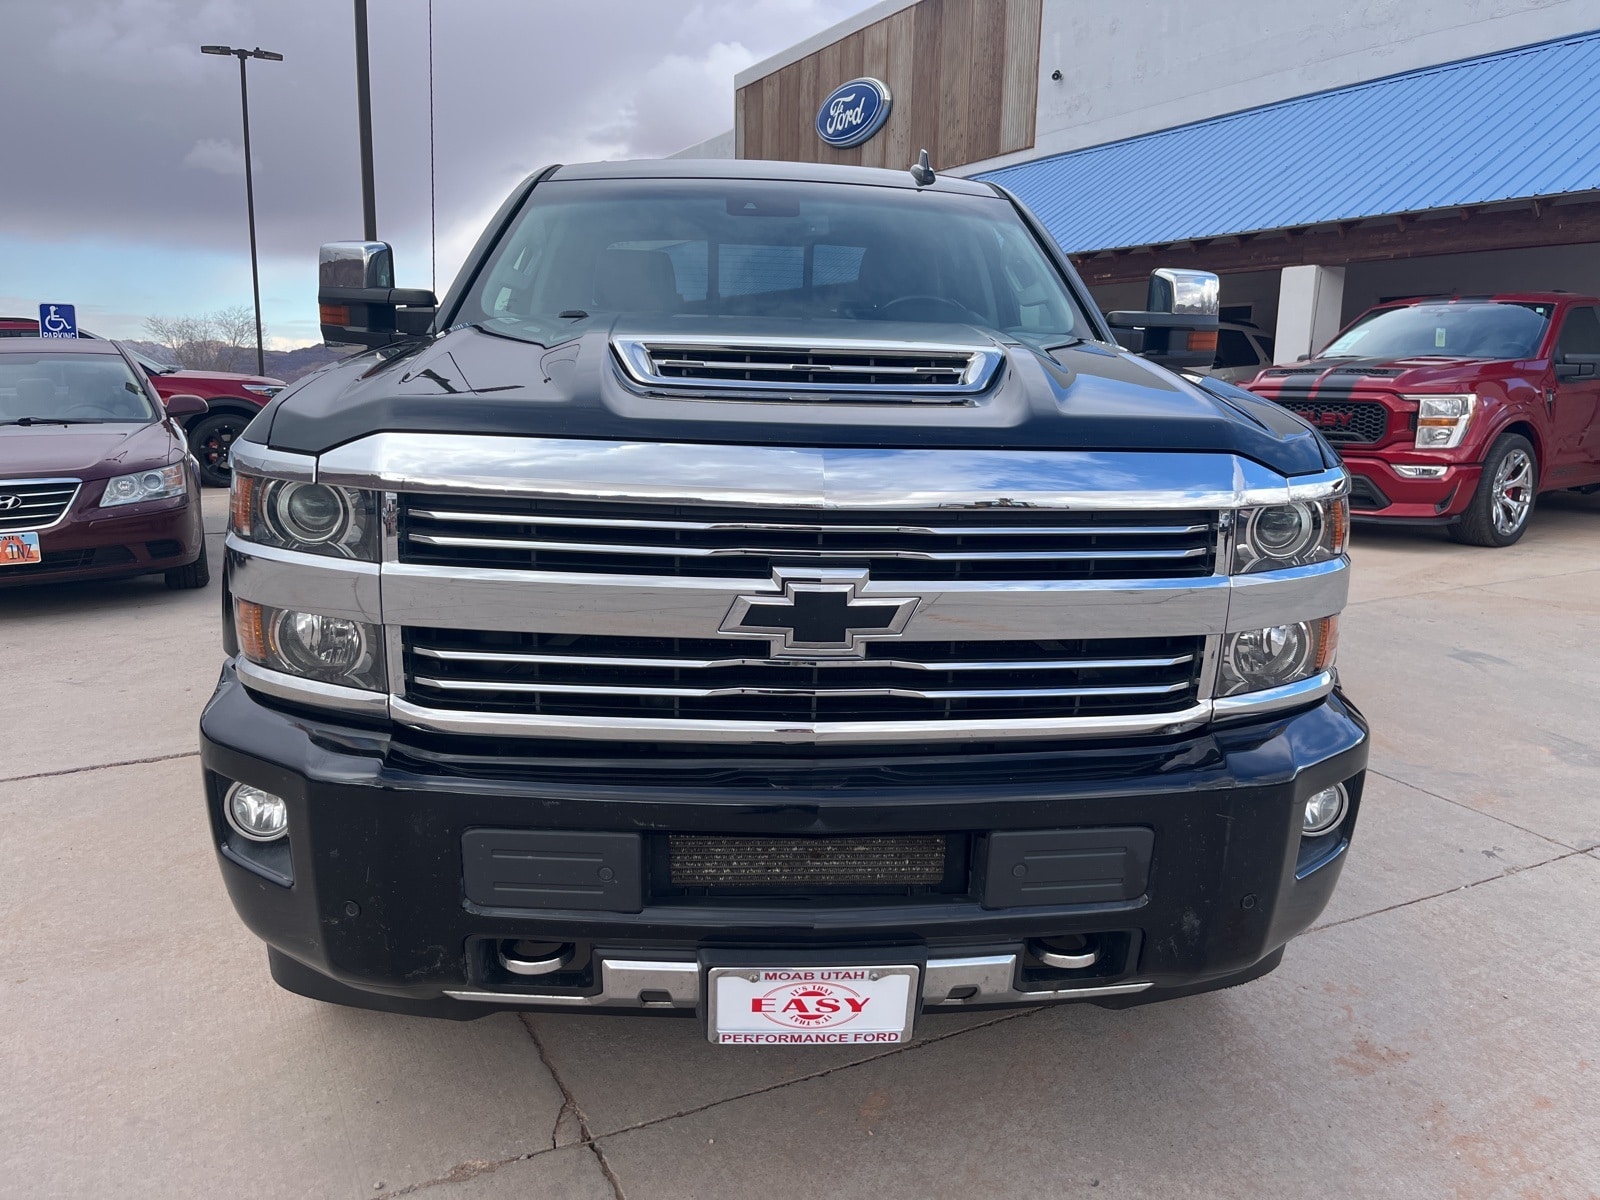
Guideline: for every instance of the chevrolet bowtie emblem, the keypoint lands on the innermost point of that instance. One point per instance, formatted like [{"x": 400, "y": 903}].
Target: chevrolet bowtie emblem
[{"x": 819, "y": 614}]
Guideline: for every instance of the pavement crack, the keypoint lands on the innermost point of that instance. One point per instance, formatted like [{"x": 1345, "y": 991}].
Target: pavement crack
[
  {"x": 126, "y": 762},
  {"x": 569, "y": 1103},
  {"x": 1447, "y": 891},
  {"x": 1545, "y": 837},
  {"x": 460, "y": 1173}
]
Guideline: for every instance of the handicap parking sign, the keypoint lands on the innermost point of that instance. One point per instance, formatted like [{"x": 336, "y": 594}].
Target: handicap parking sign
[{"x": 58, "y": 321}]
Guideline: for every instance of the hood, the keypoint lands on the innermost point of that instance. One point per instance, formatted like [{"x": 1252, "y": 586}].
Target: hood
[
  {"x": 1328, "y": 376},
  {"x": 84, "y": 451},
  {"x": 1086, "y": 397},
  {"x": 223, "y": 376}
]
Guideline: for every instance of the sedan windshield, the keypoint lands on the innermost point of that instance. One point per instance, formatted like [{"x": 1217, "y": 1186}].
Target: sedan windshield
[
  {"x": 1473, "y": 330},
  {"x": 679, "y": 250},
  {"x": 46, "y": 388}
]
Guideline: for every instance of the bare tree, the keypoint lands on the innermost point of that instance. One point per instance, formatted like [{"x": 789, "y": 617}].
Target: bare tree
[{"x": 223, "y": 340}]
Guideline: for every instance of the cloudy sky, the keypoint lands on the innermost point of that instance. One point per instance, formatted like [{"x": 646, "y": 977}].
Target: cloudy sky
[{"x": 121, "y": 163}]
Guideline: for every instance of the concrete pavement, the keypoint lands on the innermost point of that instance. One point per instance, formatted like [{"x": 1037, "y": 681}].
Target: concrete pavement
[{"x": 1436, "y": 1035}]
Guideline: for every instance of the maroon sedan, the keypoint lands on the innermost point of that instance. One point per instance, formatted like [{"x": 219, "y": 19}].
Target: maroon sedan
[
  {"x": 233, "y": 400},
  {"x": 95, "y": 476}
]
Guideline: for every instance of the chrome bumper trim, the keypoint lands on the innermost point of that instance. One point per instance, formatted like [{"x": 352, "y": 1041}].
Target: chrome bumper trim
[
  {"x": 671, "y": 607},
  {"x": 310, "y": 691},
  {"x": 334, "y": 587},
  {"x": 676, "y": 985},
  {"x": 1290, "y": 695},
  {"x": 807, "y": 477},
  {"x": 822, "y": 733}
]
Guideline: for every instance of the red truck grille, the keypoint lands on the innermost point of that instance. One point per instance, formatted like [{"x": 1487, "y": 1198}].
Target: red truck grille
[{"x": 1344, "y": 423}]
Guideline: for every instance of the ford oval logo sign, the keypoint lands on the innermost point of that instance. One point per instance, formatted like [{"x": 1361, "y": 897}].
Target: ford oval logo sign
[{"x": 853, "y": 112}]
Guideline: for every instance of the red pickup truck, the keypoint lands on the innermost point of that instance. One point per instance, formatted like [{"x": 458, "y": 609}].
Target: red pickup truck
[
  {"x": 233, "y": 399},
  {"x": 1457, "y": 411}
]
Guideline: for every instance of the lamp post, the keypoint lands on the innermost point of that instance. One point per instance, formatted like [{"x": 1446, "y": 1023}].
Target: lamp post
[{"x": 249, "y": 183}]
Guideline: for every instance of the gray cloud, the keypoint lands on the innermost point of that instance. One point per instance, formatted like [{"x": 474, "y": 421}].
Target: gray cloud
[{"x": 119, "y": 129}]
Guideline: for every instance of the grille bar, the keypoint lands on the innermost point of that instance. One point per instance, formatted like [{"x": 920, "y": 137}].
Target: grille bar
[
  {"x": 609, "y": 676},
  {"x": 700, "y": 664},
  {"x": 853, "y": 693},
  {"x": 430, "y": 539},
  {"x": 995, "y": 543},
  {"x": 41, "y": 503}
]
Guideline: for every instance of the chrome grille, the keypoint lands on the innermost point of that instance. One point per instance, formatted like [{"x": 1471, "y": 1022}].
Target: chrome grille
[
  {"x": 901, "y": 373},
  {"x": 37, "y": 503},
  {"x": 694, "y": 540},
  {"x": 535, "y": 674}
]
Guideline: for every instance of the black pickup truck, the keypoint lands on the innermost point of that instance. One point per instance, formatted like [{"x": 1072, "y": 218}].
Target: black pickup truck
[{"x": 768, "y": 592}]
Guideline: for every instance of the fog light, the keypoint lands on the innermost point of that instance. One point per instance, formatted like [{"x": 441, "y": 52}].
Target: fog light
[
  {"x": 1324, "y": 810},
  {"x": 255, "y": 814}
]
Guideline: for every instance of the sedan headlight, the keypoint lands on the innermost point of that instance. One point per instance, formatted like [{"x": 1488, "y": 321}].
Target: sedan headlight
[
  {"x": 311, "y": 645},
  {"x": 1296, "y": 534},
  {"x": 158, "y": 483},
  {"x": 1442, "y": 420},
  {"x": 1256, "y": 660},
  {"x": 312, "y": 517}
]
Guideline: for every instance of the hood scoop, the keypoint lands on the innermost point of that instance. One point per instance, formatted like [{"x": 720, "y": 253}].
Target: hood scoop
[{"x": 792, "y": 369}]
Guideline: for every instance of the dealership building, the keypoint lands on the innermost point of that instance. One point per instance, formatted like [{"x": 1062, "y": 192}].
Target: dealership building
[{"x": 1319, "y": 158}]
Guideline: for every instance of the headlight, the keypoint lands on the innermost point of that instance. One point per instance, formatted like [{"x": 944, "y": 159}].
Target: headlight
[
  {"x": 1290, "y": 535},
  {"x": 1255, "y": 660},
  {"x": 313, "y": 517},
  {"x": 156, "y": 484},
  {"x": 269, "y": 390},
  {"x": 310, "y": 645},
  {"x": 1442, "y": 420}
]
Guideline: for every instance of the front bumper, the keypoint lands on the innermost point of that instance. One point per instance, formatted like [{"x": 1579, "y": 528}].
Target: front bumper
[
  {"x": 1380, "y": 494},
  {"x": 91, "y": 542},
  {"x": 368, "y": 905}
]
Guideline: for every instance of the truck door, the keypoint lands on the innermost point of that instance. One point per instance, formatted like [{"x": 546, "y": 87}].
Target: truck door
[{"x": 1575, "y": 410}]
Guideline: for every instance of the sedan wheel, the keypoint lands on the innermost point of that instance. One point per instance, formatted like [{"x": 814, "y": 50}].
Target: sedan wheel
[{"x": 210, "y": 439}]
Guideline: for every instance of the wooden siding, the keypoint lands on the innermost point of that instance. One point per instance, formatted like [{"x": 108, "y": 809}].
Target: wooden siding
[{"x": 964, "y": 75}]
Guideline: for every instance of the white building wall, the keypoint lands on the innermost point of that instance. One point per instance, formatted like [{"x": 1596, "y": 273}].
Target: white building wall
[{"x": 1141, "y": 65}]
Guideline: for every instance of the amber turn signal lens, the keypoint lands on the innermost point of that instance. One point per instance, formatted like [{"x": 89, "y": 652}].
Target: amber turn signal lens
[
  {"x": 1327, "y": 642},
  {"x": 249, "y": 626},
  {"x": 1203, "y": 339},
  {"x": 1339, "y": 522},
  {"x": 242, "y": 503},
  {"x": 334, "y": 314}
]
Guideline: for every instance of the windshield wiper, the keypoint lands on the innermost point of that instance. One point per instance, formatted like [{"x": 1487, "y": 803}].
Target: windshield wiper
[{"x": 50, "y": 421}]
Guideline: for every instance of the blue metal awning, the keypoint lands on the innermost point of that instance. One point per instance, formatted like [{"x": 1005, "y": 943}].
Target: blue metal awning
[{"x": 1513, "y": 125}]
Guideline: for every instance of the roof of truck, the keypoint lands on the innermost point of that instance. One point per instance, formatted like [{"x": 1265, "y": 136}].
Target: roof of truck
[{"x": 749, "y": 168}]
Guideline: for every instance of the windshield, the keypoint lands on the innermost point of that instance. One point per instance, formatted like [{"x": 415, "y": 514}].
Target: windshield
[
  {"x": 1477, "y": 330},
  {"x": 682, "y": 249},
  {"x": 150, "y": 364},
  {"x": 79, "y": 388}
]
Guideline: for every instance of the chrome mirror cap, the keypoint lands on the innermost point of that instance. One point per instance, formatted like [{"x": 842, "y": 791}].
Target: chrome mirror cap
[
  {"x": 355, "y": 265},
  {"x": 1184, "y": 293}
]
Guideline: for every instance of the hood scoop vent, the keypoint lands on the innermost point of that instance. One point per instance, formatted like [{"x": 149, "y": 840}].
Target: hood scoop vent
[{"x": 795, "y": 369}]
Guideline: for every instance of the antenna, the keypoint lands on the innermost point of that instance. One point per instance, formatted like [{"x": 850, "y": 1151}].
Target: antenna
[{"x": 923, "y": 171}]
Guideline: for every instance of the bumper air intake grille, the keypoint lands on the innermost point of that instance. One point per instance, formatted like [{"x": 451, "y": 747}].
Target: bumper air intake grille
[
  {"x": 1345, "y": 424},
  {"x": 997, "y": 543},
  {"x": 716, "y": 862},
  {"x": 733, "y": 679},
  {"x": 34, "y": 504}
]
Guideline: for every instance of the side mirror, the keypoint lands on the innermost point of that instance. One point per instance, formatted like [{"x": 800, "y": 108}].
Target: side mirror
[
  {"x": 1577, "y": 366},
  {"x": 185, "y": 406},
  {"x": 1178, "y": 327},
  {"x": 358, "y": 303}
]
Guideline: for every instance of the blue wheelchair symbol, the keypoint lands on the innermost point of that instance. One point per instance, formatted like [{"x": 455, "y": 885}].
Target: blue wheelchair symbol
[{"x": 58, "y": 321}]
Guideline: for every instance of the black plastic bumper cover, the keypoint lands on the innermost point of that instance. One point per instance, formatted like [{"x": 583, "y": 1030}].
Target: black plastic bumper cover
[{"x": 378, "y": 914}]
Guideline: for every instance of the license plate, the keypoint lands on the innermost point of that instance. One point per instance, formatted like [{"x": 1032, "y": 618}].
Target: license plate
[
  {"x": 811, "y": 1006},
  {"x": 18, "y": 548}
]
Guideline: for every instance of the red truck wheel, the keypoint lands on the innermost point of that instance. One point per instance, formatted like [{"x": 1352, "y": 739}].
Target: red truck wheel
[{"x": 1500, "y": 508}]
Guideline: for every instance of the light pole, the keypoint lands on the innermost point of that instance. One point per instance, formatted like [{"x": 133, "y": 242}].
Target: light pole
[{"x": 249, "y": 183}]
